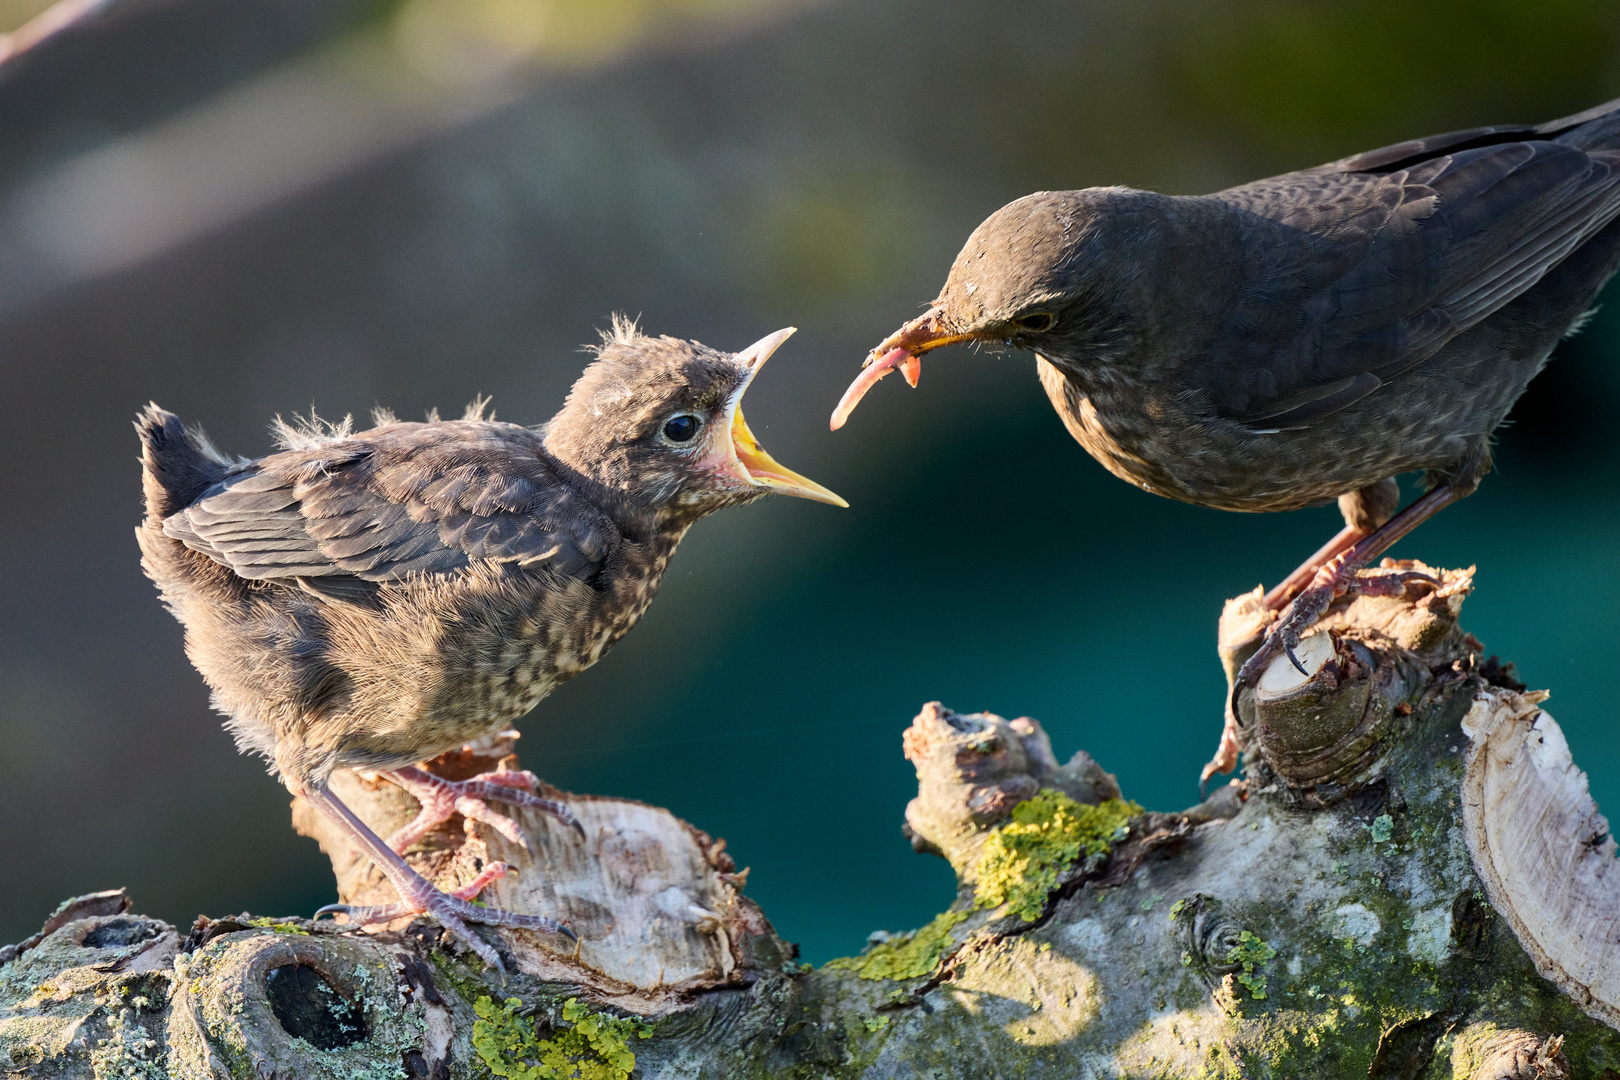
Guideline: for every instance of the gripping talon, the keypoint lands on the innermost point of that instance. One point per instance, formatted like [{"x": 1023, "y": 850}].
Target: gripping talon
[
  {"x": 1288, "y": 650},
  {"x": 441, "y": 798}
]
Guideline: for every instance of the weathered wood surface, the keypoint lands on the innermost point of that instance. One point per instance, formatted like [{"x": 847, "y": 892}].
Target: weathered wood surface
[{"x": 1412, "y": 882}]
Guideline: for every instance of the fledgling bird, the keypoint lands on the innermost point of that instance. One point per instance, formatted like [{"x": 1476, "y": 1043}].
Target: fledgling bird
[
  {"x": 1298, "y": 339},
  {"x": 371, "y": 600}
]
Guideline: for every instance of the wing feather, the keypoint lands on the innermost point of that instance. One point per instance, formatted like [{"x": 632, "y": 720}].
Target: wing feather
[
  {"x": 1400, "y": 250},
  {"x": 403, "y": 499}
]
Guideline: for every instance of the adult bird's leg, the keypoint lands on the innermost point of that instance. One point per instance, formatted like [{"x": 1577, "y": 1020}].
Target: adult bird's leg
[
  {"x": 441, "y": 798},
  {"x": 1332, "y": 579},
  {"x": 1364, "y": 511},
  {"x": 416, "y": 893},
  {"x": 1285, "y": 590},
  {"x": 1336, "y": 577}
]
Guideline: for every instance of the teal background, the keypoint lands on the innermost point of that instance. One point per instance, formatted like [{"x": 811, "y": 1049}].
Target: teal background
[{"x": 813, "y": 165}]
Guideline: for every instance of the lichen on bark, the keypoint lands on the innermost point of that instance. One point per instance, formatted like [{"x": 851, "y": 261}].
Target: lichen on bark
[
  {"x": 586, "y": 1046},
  {"x": 1023, "y": 859}
]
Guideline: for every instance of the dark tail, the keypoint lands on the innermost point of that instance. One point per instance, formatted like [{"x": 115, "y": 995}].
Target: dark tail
[
  {"x": 177, "y": 465},
  {"x": 1598, "y": 128}
]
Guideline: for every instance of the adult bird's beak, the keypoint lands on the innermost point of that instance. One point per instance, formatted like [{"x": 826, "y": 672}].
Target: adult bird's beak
[
  {"x": 761, "y": 469},
  {"x": 899, "y": 350}
]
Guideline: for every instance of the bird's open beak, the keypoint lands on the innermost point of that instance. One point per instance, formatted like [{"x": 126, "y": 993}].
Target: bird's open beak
[
  {"x": 899, "y": 350},
  {"x": 760, "y": 468}
]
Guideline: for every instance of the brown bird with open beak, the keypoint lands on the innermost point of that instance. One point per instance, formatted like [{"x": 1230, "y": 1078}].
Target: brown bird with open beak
[
  {"x": 1299, "y": 339},
  {"x": 371, "y": 600}
]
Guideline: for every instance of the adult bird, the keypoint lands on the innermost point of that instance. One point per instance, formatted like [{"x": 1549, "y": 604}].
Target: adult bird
[
  {"x": 370, "y": 600},
  {"x": 1298, "y": 339}
]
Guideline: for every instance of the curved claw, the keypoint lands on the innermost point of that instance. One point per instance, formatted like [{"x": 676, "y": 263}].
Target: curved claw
[
  {"x": 361, "y": 914},
  {"x": 1288, "y": 651}
]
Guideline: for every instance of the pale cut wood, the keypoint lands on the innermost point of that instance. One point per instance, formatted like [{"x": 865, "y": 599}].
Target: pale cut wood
[{"x": 1542, "y": 848}]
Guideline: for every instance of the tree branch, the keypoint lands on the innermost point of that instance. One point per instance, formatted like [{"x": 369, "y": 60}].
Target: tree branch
[{"x": 1411, "y": 882}]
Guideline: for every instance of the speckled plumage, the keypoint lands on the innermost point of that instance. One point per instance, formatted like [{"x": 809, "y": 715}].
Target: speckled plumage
[{"x": 373, "y": 599}]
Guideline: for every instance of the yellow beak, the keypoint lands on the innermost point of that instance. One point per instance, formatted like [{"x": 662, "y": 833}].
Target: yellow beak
[
  {"x": 765, "y": 471},
  {"x": 762, "y": 469}
]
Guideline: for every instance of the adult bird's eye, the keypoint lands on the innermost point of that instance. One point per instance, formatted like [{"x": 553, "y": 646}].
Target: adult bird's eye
[
  {"x": 1037, "y": 323},
  {"x": 681, "y": 428}
]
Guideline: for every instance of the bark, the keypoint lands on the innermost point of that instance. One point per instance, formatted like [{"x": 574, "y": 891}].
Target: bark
[{"x": 1411, "y": 881}]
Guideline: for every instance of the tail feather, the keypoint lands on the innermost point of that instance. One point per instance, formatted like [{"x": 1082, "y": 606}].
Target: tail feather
[
  {"x": 1596, "y": 129},
  {"x": 177, "y": 464}
]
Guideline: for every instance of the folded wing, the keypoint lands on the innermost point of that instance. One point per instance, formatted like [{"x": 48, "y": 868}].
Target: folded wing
[
  {"x": 404, "y": 499},
  {"x": 1394, "y": 252}
]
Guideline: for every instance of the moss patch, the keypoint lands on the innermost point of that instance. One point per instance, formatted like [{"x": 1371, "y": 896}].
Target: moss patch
[
  {"x": 1249, "y": 951},
  {"x": 1023, "y": 859},
  {"x": 910, "y": 957},
  {"x": 592, "y": 1047}
]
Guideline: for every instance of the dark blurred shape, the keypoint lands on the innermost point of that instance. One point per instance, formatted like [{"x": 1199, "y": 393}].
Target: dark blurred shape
[{"x": 390, "y": 239}]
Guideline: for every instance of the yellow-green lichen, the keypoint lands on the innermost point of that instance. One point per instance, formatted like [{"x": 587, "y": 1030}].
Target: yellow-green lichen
[
  {"x": 911, "y": 956},
  {"x": 280, "y": 926},
  {"x": 1249, "y": 951},
  {"x": 592, "y": 1047},
  {"x": 1023, "y": 859}
]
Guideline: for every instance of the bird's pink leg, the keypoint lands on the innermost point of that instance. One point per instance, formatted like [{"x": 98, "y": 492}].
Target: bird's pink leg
[
  {"x": 441, "y": 798},
  {"x": 389, "y": 912},
  {"x": 416, "y": 893},
  {"x": 1306, "y": 571},
  {"x": 1336, "y": 577},
  {"x": 1332, "y": 579}
]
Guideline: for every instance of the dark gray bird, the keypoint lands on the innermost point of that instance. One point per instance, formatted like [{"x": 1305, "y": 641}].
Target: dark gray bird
[
  {"x": 1298, "y": 339},
  {"x": 370, "y": 600}
]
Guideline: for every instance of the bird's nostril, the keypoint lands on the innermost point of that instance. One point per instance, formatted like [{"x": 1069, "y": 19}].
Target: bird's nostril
[{"x": 306, "y": 1007}]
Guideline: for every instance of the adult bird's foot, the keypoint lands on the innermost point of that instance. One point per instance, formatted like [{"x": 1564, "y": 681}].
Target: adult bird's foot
[
  {"x": 1336, "y": 578},
  {"x": 441, "y": 799}
]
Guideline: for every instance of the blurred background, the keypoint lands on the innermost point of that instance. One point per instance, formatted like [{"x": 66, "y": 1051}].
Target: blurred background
[{"x": 239, "y": 208}]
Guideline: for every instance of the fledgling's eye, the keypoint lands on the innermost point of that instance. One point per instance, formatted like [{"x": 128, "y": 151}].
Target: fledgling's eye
[
  {"x": 1038, "y": 322},
  {"x": 682, "y": 428}
]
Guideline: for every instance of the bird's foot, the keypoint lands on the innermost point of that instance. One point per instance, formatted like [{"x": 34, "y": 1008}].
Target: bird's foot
[
  {"x": 360, "y": 914},
  {"x": 1396, "y": 583},
  {"x": 417, "y": 895},
  {"x": 441, "y": 799},
  {"x": 453, "y": 909},
  {"x": 1337, "y": 577}
]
